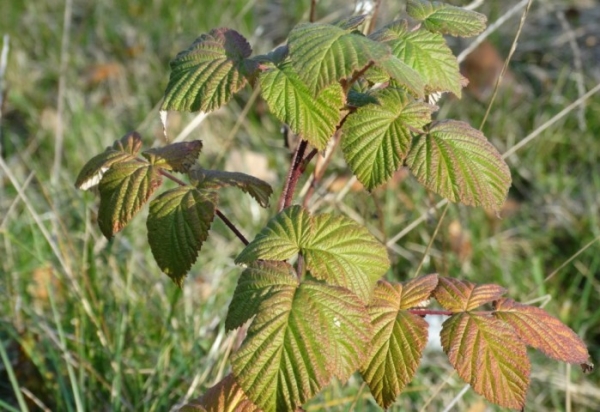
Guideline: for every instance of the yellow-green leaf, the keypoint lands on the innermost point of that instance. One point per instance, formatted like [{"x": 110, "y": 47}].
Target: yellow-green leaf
[
  {"x": 225, "y": 396},
  {"x": 444, "y": 18}
]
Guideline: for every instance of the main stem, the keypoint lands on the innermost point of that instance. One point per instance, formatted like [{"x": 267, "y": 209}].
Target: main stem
[{"x": 297, "y": 166}]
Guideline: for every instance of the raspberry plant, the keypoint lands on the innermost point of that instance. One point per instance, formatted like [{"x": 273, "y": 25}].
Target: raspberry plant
[{"x": 312, "y": 285}]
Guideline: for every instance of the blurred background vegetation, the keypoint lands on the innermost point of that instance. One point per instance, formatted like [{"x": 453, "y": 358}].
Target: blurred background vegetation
[{"x": 87, "y": 324}]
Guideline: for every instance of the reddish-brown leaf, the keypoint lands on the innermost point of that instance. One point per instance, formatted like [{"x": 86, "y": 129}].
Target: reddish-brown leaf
[
  {"x": 539, "y": 329},
  {"x": 417, "y": 290},
  {"x": 488, "y": 355},
  {"x": 225, "y": 396},
  {"x": 460, "y": 295}
]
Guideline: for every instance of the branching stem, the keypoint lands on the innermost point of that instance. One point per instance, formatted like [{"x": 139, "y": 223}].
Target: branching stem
[{"x": 296, "y": 168}]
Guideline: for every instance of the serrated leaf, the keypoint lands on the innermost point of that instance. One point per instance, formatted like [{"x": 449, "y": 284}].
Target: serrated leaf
[
  {"x": 427, "y": 53},
  {"x": 289, "y": 99},
  {"x": 539, "y": 329},
  {"x": 461, "y": 295},
  {"x": 336, "y": 249},
  {"x": 403, "y": 74},
  {"x": 290, "y": 352},
  {"x": 225, "y": 396},
  {"x": 398, "y": 339},
  {"x": 457, "y": 161},
  {"x": 358, "y": 99},
  {"x": 323, "y": 54},
  {"x": 179, "y": 157},
  {"x": 376, "y": 138},
  {"x": 417, "y": 291},
  {"x": 178, "y": 224},
  {"x": 446, "y": 19},
  {"x": 261, "y": 281},
  {"x": 208, "y": 73},
  {"x": 124, "y": 189},
  {"x": 216, "y": 179},
  {"x": 351, "y": 23},
  {"x": 122, "y": 150},
  {"x": 488, "y": 355}
]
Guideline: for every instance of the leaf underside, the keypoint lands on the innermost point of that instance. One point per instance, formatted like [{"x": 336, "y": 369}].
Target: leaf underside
[
  {"x": 377, "y": 138},
  {"x": 336, "y": 249},
  {"x": 215, "y": 179},
  {"x": 290, "y": 100},
  {"x": 208, "y": 73},
  {"x": 178, "y": 224},
  {"x": 301, "y": 337},
  {"x": 544, "y": 332},
  {"x": 457, "y": 161},
  {"x": 124, "y": 189},
  {"x": 179, "y": 157},
  {"x": 444, "y": 18},
  {"x": 488, "y": 355}
]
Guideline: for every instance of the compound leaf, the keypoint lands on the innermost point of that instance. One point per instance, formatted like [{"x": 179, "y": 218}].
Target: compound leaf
[
  {"x": 425, "y": 52},
  {"x": 446, "y": 19},
  {"x": 336, "y": 249},
  {"x": 399, "y": 338},
  {"x": 377, "y": 137},
  {"x": 289, "y": 99},
  {"x": 544, "y": 332},
  {"x": 216, "y": 179},
  {"x": 179, "y": 157},
  {"x": 124, "y": 189},
  {"x": 122, "y": 150},
  {"x": 457, "y": 161},
  {"x": 488, "y": 355},
  {"x": 225, "y": 396},
  {"x": 178, "y": 224},
  {"x": 417, "y": 291},
  {"x": 290, "y": 352},
  {"x": 208, "y": 73},
  {"x": 461, "y": 295},
  {"x": 261, "y": 281},
  {"x": 324, "y": 54}
]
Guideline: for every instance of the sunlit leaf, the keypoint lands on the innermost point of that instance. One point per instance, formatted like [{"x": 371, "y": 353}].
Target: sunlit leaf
[
  {"x": 488, "y": 355},
  {"x": 225, "y": 396},
  {"x": 461, "y": 295},
  {"x": 178, "y": 224},
  {"x": 324, "y": 54},
  {"x": 425, "y": 52},
  {"x": 261, "y": 281},
  {"x": 124, "y": 189},
  {"x": 376, "y": 138},
  {"x": 290, "y": 100},
  {"x": 457, "y": 161},
  {"x": 216, "y": 179},
  {"x": 336, "y": 249},
  {"x": 539, "y": 329},
  {"x": 291, "y": 351},
  {"x": 417, "y": 291},
  {"x": 398, "y": 338},
  {"x": 446, "y": 19},
  {"x": 122, "y": 150},
  {"x": 179, "y": 157},
  {"x": 403, "y": 74},
  {"x": 208, "y": 73}
]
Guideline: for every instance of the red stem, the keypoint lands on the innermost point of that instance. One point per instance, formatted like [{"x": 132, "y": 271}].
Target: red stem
[{"x": 296, "y": 168}]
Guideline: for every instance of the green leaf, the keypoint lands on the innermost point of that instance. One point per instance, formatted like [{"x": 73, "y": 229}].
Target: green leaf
[
  {"x": 460, "y": 295},
  {"x": 208, "y": 73},
  {"x": 225, "y": 396},
  {"x": 425, "y": 52},
  {"x": 291, "y": 351},
  {"x": 178, "y": 224},
  {"x": 398, "y": 337},
  {"x": 179, "y": 157},
  {"x": 314, "y": 119},
  {"x": 323, "y": 54},
  {"x": 544, "y": 332},
  {"x": 488, "y": 355},
  {"x": 403, "y": 74},
  {"x": 216, "y": 179},
  {"x": 122, "y": 150},
  {"x": 351, "y": 23},
  {"x": 457, "y": 162},
  {"x": 446, "y": 19},
  {"x": 376, "y": 138},
  {"x": 124, "y": 189},
  {"x": 261, "y": 281},
  {"x": 358, "y": 98},
  {"x": 336, "y": 249}
]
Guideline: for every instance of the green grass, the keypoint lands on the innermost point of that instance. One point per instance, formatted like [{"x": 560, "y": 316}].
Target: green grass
[{"x": 93, "y": 325}]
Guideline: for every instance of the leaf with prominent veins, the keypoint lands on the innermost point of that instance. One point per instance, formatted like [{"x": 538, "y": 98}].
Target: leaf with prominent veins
[
  {"x": 446, "y": 19},
  {"x": 461, "y": 295}
]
